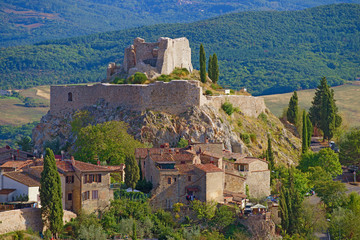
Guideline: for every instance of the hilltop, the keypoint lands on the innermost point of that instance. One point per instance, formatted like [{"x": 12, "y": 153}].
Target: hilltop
[
  {"x": 266, "y": 52},
  {"x": 24, "y": 22}
]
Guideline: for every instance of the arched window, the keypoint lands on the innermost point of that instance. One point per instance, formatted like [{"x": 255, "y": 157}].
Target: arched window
[{"x": 69, "y": 97}]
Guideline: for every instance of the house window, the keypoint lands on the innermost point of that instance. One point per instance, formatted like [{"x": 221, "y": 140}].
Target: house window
[
  {"x": 182, "y": 162},
  {"x": 189, "y": 178},
  {"x": 86, "y": 195},
  {"x": 95, "y": 194},
  {"x": 69, "y": 179},
  {"x": 90, "y": 178},
  {"x": 69, "y": 97},
  {"x": 174, "y": 179},
  {"x": 70, "y": 196},
  {"x": 242, "y": 168},
  {"x": 169, "y": 180}
]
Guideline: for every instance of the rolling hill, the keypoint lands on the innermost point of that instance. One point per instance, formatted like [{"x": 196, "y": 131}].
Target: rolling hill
[
  {"x": 31, "y": 21},
  {"x": 266, "y": 52}
]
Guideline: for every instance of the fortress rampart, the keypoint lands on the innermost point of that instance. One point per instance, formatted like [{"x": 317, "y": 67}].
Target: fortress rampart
[{"x": 174, "y": 97}]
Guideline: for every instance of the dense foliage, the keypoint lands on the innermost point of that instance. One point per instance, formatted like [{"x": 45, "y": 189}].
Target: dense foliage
[
  {"x": 10, "y": 135},
  {"x": 50, "y": 195},
  {"x": 266, "y": 52},
  {"x": 109, "y": 142},
  {"x": 23, "y": 22},
  {"x": 202, "y": 61},
  {"x": 350, "y": 148}
]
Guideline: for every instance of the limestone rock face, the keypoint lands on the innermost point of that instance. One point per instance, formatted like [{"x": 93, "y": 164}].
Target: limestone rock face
[{"x": 196, "y": 124}]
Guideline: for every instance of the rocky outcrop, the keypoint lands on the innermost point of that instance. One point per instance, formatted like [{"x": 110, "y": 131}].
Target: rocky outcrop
[{"x": 196, "y": 124}]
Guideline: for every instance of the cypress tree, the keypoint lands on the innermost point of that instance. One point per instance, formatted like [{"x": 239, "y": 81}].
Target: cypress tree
[
  {"x": 210, "y": 74},
  {"x": 304, "y": 136},
  {"x": 134, "y": 235},
  {"x": 50, "y": 194},
  {"x": 310, "y": 129},
  {"x": 328, "y": 115},
  {"x": 202, "y": 64},
  {"x": 215, "y": 69},
  {"x": 293, "y": 109},
  {"x": 132, "y": 174}
]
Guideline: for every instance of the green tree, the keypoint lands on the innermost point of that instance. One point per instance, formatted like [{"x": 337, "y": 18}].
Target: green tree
[
  {"x": 293, "y": 109},
  {"x": 304, "y": 137},
  {"x": 310, "y": 130},
  {"x": 182, "y": 143},
  {"x": 214, "y": 69},
  {"x": 25, "y": 144},
  {"x": 134, "y": 236},
  {"x": 210, "y": 74},
  {"x": 350, "y": 148},
  {"x": 202, "y": 64},
  {"x": 331, "y": 193},
  {"x": 50, "y": 195},
  {"x": 323, "y": 112},
  {"x": 290, "y": 205},
  {"x": 108, "y": 141},
  {"x": 325, "y": 158},
  {"x": 132, "y": 175}
]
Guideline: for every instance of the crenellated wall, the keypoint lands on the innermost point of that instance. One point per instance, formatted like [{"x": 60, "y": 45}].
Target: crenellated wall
[{"x": 174, "y": 97}]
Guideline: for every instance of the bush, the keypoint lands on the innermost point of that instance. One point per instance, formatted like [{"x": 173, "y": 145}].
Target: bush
[
  {"x": 263, "y": 117},
  {"x": 118, "y": 80},
  {"x": 215, "y": 86},
  {"x": 253, "y": 137},
  {"x": 245, "y": 137},
  {"x": 228, "y": 108},
  {"x": 164, "y": 78},
  {"x": 208, "y": 92},
  {"x": 138, "y": 78},
  {"x": 182, "y": 143},
  {"x": 180, "y": 72}
]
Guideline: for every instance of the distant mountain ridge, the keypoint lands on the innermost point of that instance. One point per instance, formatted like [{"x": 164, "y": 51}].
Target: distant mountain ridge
[
  {"x": 266, "y": 52},
  {"x": 30, "y": 21}
]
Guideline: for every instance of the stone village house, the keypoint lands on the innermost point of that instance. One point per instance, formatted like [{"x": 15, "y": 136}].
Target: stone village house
[
  {"x": 84, "y": 186},
  {"x": 215, "y": 174}
]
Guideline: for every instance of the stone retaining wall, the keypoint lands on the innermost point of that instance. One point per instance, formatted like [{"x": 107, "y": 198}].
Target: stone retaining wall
[{"x": 22, "y": 219}]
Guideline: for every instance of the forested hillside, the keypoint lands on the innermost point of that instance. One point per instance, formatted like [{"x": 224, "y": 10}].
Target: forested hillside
[
  {"x": 266, "y": 52},
  {"x": 30, "y": 21}
]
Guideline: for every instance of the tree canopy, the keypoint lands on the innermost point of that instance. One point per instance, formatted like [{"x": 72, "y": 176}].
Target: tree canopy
[
  {"x": 293, "y": 109},
  {"x": 108, "y": 141},
  {"x": 350, "y": 148}
]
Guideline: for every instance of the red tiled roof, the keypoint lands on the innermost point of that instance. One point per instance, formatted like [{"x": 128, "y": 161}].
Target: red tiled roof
[
  {"x": 7, "y": 191},
  {"x": 211, "y": 154},
  {"x": 70, "y": 166},
  {"x": 249, "y": 160},
  {"x": 24, "y": 178},
  {"x": 16, "y": 164},
  {"x": 208, "y": 168},
  {"x": 185, "y": 168},
  {"x": 121, "y": 167}
]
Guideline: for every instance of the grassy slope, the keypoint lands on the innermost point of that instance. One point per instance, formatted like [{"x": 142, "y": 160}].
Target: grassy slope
[
  {"x": 13, "y": 111},
  {"x": 347, "y": 99}
]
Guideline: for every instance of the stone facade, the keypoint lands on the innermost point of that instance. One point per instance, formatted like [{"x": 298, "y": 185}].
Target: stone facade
[
  {"x": 23, "y": 219},
  {"x": 174, "y": 97},
  {"x": 155, "y": 58}
]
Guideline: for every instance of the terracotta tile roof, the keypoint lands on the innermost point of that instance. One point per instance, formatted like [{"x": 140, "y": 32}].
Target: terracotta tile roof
[
  {"x": 231, "y": 155},
  {"x": 24, "y": 178},
  {"x": 121, "y": 167},
  {"x": 6, "y": 191},
  {"x": 208, "y": 168},
  {"x": 16, "y": 164},
  {"x": 185, "y": 168},
  {"x": 70, "y": 166},
  {"x": 249, "y": 160},
  {"x": 211, "y": 154}
]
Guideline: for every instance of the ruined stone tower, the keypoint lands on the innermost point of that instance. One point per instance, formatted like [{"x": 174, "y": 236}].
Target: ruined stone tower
[{"x": 154, "y": 59}]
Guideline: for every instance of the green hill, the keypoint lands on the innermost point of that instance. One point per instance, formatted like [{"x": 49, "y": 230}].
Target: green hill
[
  {"x": 266, "y": 52},
  {"x": 26, "y": 22}
]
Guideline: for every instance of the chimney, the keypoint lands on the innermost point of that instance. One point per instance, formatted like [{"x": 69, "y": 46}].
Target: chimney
[
  {"x": 206, "y": 140},
  {"x": 72, "y": 160}
]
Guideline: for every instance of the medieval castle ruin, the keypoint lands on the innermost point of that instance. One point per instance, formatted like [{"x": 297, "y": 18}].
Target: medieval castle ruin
[
  {"x": 174, "y": 97},
  {"x": 154, "y": 59}
]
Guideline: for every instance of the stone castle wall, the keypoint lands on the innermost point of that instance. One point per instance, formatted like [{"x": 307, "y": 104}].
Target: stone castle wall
[{"x": 174, "y": 97}]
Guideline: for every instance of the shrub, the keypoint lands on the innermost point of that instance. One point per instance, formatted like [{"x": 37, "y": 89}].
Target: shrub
[
  {"x": 253, "y": 137},
  {"x": 263, "y": 117},
  {"x": 215, "y": 86},
  {"x": 164, "y": 78},
  {"x": 239, "y": 123},
  {"x": 237, "y": 110},
  {"x": 245, "y": 137},
  {"x": 118, "y": 80},
  {"x": 138, "y": 78},
  {"x": 208, "y": 92},
  {"x": 228, "y": 108},
  {"x": 180, "y": 72}
]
